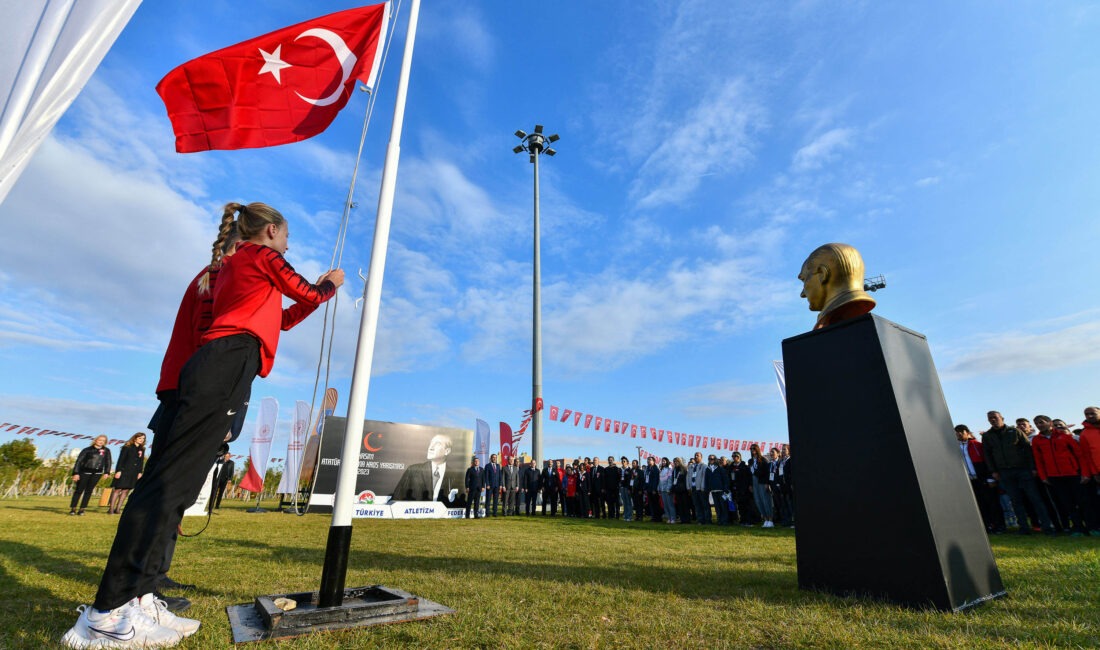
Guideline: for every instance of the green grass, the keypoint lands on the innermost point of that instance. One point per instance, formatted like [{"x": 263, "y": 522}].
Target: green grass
[{"x": 550, "y": 583}]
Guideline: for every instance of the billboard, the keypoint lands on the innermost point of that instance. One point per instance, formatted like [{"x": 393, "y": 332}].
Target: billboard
[{"x": 397, "y": 462}]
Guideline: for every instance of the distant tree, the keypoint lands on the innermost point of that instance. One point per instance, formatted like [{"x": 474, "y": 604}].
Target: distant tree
[{"x": 20, "y": 454}]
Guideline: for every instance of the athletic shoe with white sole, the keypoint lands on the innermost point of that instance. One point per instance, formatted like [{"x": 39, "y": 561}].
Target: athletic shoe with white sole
[
  {"x": 126, "y": 626},
  {"x": 157, "y": 609}
]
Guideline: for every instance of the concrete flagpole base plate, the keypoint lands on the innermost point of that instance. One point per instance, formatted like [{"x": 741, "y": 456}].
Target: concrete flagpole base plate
[{"x": 362, "y": 607}]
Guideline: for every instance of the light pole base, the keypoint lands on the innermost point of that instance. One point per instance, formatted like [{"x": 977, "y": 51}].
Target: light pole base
[{"x": 362, "y": 607}]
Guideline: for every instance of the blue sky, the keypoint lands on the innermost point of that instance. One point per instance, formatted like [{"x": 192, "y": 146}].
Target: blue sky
[{"x": 706, "y": 148}]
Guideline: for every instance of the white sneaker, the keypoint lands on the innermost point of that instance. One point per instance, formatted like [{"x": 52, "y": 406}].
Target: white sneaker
[
  {"x": 768, "y": 524},
  {"x": 157, "y": 610},
  {"x": 126, "y": 626}
]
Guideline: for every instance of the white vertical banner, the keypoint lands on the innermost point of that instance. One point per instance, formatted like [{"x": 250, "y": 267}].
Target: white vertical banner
[
  {"x": 260, "y": 450},
  {"x": 289, "y": 483},
  {"x": 48, "y": 51},
  {"x": 481, "y": 442},
  {"x": 781, "y": 380}
]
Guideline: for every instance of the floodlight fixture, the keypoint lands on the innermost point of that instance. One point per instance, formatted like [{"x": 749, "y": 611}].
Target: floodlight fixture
[
  {"x": 554, "y": 138},
  {"x": 519, "y": 148},
  {"x": 538, "y": 128},
  {"x": 521, "y": 133},
  {"x": 550, "y": 152},
  {"x": 874, "y": 283}
]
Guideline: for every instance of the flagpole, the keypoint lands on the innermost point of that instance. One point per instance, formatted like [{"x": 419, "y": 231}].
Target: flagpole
[{"x": 334, "y": 572}]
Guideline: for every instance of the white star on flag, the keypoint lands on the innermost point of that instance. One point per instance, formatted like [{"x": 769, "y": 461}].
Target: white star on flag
[{"x": 273, "y": 63}]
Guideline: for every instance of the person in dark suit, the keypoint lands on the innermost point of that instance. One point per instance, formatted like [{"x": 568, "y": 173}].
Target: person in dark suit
[
  {"x": 493, "y": 488},
  {"x": 531, "y": 483},
  {"x": 610, "y": 480},
  {"x": 512, "y": 473},
  {"x": 222, "y": 478},
  {"x": 429, "y": 481},
  {"x": 475, "y": 483},
  {"x": 652, "y": 475},
  {"x": 595, "y": 488},
  {"x": 551, "y": 488}
]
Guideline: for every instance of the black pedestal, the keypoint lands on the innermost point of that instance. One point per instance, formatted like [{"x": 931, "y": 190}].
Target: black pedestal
[{"x": 883, "y": 505}]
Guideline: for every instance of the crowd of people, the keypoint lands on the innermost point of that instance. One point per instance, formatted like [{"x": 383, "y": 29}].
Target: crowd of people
[
  {"x": 715, "y": 490},
  {"x": 1035, "y": 478}
]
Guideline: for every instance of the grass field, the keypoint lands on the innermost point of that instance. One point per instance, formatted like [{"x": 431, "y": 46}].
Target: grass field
[{"x": 541, "y": 583}]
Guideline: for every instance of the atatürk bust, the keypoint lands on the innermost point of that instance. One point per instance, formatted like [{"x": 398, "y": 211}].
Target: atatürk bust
[{"x": 832, "y": 281}]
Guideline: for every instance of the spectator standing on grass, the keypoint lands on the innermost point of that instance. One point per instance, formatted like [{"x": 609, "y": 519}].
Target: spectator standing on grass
[
  {"x": 492, "y": 485},
  {"x": 1058, "y": 461},
  {"x": 981, "y": 483},
  {"x": 1090, "y": 465},
  {"x": 626, "y": 480},
  {"x": 91, "y": 464},
  {"x": 531, "y": 483},
  {"x": 550, "y": 488},
  {"x": 612, "y": 476},
  {"x": 637, "y": 490},
  {"x": 680, "y": 494},
  {"x": 761, "y": 489},
  {"x": 131, "y": 461},
  {"x": 652, "y": 477},
  {"x": 717, "y": 485},
  {"x": 475, "y": 484},
  {"x": 595, "y": 488},
  {"x": 741, "y": 484},
  {"x": 584, "y": 476},
  {"x": 786, "y": 486},
  {"x": 1010, "y": 461},
  {"x": 511, "y": 481},
  {"x": 569, "y": 492},
  {"x": 664, "y": 489},
  {"x": 699, "y": 489}
]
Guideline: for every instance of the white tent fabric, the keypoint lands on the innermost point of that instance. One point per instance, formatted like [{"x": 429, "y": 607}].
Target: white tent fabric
[{"x": 48, "y": 51}]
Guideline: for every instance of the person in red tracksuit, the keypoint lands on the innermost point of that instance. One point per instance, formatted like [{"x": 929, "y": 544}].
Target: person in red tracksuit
[
  {"x": 240, "y": 344},
  {"x": 1058, "y": 461}
]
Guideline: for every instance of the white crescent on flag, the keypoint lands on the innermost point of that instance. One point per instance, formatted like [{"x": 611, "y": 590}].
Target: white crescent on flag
[{"x": 344, "y": 55}]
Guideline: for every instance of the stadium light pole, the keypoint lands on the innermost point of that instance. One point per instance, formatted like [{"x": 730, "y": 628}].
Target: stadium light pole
[{"x": 536, "y": 144}]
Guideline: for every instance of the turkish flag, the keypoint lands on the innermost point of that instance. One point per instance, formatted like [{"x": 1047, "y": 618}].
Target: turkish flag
[{"x": 281, "y": 87}]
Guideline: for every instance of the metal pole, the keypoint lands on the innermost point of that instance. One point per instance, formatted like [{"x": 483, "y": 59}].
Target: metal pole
[
  {"x": 536, "y": 335},
  {"x": 334, "y": 571}
]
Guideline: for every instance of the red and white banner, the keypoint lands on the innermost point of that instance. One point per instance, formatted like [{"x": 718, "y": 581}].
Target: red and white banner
[
  {"x": 281, "y": 87},
  {"x": 260, "y": 448},
  {"x": 608, "y": 425},
  {"x": 507, "y": 444},
  {"x": 288, "y": 484}
]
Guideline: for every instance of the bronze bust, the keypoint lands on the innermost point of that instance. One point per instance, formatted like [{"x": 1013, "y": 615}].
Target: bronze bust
[{"x": 832, "y": 282}]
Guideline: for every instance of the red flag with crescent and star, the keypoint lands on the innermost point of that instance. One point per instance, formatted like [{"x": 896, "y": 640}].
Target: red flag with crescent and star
[{"x": 278, "y": 88}]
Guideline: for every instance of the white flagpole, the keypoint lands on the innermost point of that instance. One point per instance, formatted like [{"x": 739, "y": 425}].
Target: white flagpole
[{"x": 339, "y": 538}]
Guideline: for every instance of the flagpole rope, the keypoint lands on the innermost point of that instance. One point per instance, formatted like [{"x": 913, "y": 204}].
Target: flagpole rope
[{"x": 325, "y": 357}]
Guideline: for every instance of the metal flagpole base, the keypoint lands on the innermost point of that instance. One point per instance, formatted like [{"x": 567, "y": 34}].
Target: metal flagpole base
[{"x": 362, "y": 607}]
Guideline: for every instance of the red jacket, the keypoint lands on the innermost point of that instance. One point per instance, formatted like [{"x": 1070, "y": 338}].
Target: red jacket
[
  {"x": 249, "y": 298},
  {"x": 192, "y": 320},
  {"x": 1058, "y": 455},
  {"x": 1090, "y": 449}
]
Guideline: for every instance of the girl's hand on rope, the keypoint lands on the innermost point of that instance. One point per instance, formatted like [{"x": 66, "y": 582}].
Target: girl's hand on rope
[{"x": 335, "y": 276}]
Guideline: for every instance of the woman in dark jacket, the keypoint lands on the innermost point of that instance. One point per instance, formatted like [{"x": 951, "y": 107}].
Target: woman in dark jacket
[
  {"x": 679, "y": 491},
  {"x": 93, "y": 462},
  {"x": 761, "y": 487},
  {"x": 131, "y": 460}
]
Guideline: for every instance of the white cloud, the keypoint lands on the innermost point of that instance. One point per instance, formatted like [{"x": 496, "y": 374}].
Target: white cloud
[
  {"x": 928, "y": 181},
  {"x": 714, "y": 137},
  {"x": 1018, "y": 350},
  {"x": 724, "y": 399},
  {"x": 824, "y": 149}
]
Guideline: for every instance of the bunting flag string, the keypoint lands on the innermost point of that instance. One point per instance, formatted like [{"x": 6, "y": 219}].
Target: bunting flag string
[
  {"x": 18, "y": 429},
  {"x": 621, "y": 427}
]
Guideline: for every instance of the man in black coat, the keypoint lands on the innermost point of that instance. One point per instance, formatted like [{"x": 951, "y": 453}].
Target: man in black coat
[
  {"x": 611, "y": 478},
  {"x": 493, "y": 488},
  {"x": 652, "y": 485},
  {"x": 595, "y": 488},
  {"x": 531, "y": 483},
  {"x": 551, "y": 487},
  {"x": 475, "y": 483}
]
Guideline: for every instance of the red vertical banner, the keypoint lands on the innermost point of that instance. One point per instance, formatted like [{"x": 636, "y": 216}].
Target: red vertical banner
[
  {"x": 577, "y": 418},
  {"x": 506, "y": 449},
  {"x": 565, "y": 414},
  {"x": 616, "y": 426},
  {"x": 599, "y": 423},
  {"x": 553, "y": 413},
  {"x": 643, "y": 431},
  {"x": 607, "y": 426},
  {"x": 660, "y": 435},
  {"x": 588, "y": 421}
]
